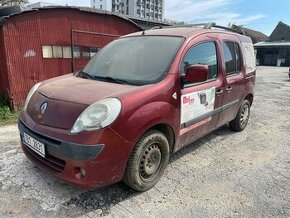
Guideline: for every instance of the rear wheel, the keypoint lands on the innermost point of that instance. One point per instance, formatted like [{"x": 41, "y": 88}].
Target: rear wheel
[
  {"x": 241, "y": 120},
  {"x": 148, "y": 161}
]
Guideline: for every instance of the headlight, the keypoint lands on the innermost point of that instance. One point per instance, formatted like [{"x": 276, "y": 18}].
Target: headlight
[
  {"x": 98, "y": 115},
  {"x": 31, "y": 92}
]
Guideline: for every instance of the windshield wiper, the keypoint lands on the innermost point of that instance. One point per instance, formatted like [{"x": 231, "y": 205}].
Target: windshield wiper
[
  {"x": 121, "y": 81},
  {"x": 84, "y": 74},
  {"x": 115, "y": 80}
]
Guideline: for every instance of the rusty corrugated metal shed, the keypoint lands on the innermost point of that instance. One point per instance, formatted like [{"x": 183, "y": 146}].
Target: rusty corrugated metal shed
[{"x": 23, "y": 34}]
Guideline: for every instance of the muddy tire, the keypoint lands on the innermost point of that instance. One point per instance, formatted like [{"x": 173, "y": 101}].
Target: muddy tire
[
  {"x": 241, "y": 120},
  {"x": 147, "y": 162}
]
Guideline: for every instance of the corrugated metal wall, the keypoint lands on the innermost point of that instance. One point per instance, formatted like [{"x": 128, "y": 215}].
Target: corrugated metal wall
[
  {"x": 3, "y": 67},
  {"x": 26, "y": 33}
]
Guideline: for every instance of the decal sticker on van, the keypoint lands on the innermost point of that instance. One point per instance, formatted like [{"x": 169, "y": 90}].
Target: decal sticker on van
[{"x": 197, "y": 104}]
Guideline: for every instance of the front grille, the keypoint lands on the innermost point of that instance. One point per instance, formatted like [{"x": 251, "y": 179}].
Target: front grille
[
  {"x": 53, "y": 164},
  {"x": 41, "y": 137}
]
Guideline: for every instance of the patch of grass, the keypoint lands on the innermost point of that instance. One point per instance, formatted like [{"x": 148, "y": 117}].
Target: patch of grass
[{"x": 6, "y": 115}]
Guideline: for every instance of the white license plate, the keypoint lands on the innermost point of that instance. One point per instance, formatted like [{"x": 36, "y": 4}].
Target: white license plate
[{"x": 35, "y": 145}]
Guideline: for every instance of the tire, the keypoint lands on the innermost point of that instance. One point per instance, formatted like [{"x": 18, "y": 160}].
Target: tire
[
  {"x": 147, "y": 162},
  {"x": 6, "y": 11},
  {"x": 241, "y": 120}
]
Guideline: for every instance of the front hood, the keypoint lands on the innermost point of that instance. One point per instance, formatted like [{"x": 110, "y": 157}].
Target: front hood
[
  {"x": 82, "y": 91},
  {"x": 65, "y": 98}
]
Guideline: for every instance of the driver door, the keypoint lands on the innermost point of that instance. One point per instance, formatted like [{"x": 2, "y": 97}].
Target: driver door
[{"x": 200, "y": 102}]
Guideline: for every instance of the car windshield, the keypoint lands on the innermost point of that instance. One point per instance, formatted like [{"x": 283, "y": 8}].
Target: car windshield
[{"x": 134, "y": 60}]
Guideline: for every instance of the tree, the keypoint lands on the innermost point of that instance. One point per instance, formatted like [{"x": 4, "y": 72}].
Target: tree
[{"x": 13, "y": 2}]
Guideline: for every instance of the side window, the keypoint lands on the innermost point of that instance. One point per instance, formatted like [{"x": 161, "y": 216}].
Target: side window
[
  {"x": 232, "y": 56},
  {"x": 238, "y": 57},
  {"x": 204, "y": 53}
]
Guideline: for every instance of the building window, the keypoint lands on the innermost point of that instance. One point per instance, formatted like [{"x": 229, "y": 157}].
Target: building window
[
  {"x": 77, "y": 52},
  {"x": 54, "y": 51},
  {"x": 66, "y": 51},
  {"x": 89, "y": 52},
  {"x": 93, "y": 52},
  {"x": 101, "y": 7},
  {"x": 86, "y": 52},
  {"x": 57, "y": 51},
  {"x": 47, "y": 51}
]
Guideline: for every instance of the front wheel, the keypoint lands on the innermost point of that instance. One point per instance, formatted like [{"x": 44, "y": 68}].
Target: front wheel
[
  {"x": 241, "y": 120},
  {"x": 148, "y": 161}
]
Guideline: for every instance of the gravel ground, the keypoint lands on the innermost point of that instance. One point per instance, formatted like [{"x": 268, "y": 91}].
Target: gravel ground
[{"x": 224, "y": 174}]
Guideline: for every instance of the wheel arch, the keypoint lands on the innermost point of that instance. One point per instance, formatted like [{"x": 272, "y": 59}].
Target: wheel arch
[
  {"x": 168, "y": 131},
  {"x": 250, "y": 98}
]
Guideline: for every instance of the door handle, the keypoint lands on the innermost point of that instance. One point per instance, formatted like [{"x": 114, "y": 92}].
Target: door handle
[
  {"x": 229, "y": 89},
  {"x": 219, "y": 91}
]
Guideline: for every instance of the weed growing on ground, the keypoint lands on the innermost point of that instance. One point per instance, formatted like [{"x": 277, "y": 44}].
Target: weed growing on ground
[{"x": 6, "y": 115}]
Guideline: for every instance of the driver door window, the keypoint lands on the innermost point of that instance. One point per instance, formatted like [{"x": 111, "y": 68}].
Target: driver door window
[{"x": 205, "y": 54}]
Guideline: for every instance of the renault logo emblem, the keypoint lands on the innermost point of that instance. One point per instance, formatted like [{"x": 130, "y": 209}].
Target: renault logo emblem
[{"x": 43, "y": 107}]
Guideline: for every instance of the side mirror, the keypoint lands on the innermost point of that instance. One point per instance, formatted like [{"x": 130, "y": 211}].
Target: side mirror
[{"x": 196, "y": 73}]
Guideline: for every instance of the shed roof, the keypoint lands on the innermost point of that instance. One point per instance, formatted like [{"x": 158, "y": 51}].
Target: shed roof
[
  {"x": 81, "y": 9},
  {"x": 272, "y": 44},
  {"x": 281, "y": 32},
  {"x": 259, "y": 36}
]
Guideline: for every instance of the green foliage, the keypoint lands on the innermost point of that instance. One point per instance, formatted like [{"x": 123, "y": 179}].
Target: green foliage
[{"x": 6, "y": 115}]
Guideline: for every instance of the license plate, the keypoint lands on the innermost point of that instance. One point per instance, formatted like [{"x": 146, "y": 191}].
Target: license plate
[{"x": 35, "y": 145}]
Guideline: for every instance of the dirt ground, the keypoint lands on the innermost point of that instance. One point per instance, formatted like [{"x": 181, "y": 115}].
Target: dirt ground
[{"x": 225, "y": 174}]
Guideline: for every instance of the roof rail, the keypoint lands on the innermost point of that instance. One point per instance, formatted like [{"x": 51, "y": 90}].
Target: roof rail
[
  {"x": 209, "y": 25},
  {"x": 176, "y": 26}
]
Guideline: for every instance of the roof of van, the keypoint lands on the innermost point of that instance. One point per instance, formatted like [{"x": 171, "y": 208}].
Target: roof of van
[{"x": 185, "y": 32}]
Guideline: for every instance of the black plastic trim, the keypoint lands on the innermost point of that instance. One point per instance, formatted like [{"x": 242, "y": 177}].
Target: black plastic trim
[{"x": 61, "y": 148}]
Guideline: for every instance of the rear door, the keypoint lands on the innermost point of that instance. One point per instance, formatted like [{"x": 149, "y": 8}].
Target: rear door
[
  {"x": 234, "y": 78},
  {"x": 199, "y": 101}
]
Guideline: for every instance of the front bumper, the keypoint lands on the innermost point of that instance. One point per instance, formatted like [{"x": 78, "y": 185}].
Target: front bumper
[
  {"x": 66, "y": 149},
  {"x": 102, "y": 154}
]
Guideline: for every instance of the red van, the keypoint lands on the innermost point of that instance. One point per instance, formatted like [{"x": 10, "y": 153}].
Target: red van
[{"x": 140, "y": 99}]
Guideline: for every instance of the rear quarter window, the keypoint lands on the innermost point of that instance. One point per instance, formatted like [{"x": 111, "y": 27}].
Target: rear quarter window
[{"x": 249, "y": 57}]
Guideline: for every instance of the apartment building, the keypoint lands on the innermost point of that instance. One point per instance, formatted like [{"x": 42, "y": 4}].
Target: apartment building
[
  {"x": 102, "y": 4},
  {"x": 145, "y": 9}
]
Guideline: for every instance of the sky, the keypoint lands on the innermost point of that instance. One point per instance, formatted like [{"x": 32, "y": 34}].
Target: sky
[{"x": 260, "y": 15}]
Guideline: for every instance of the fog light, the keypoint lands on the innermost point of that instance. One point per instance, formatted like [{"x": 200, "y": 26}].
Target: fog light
[{"x": 80, "y": 173}]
